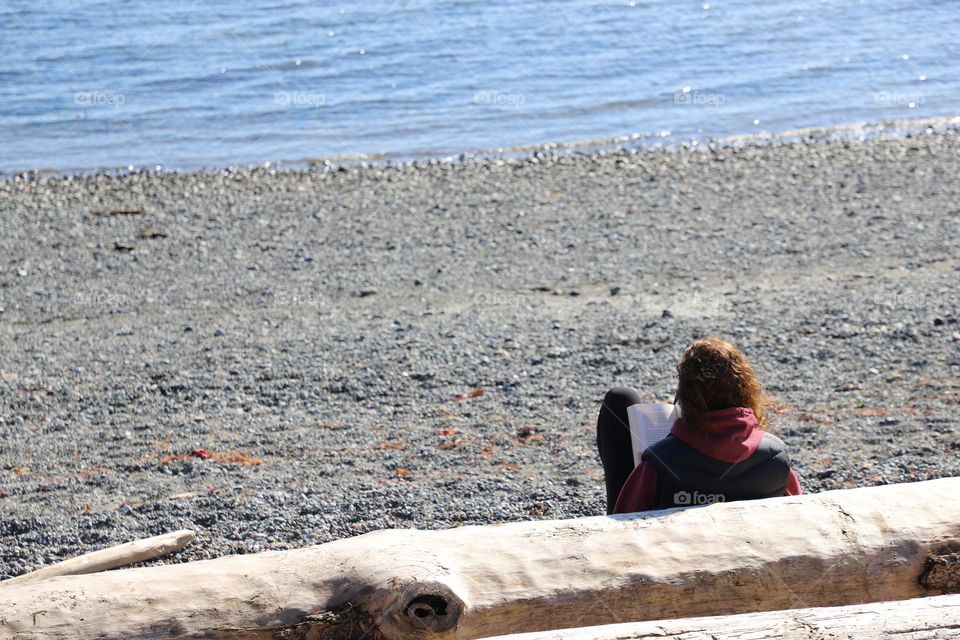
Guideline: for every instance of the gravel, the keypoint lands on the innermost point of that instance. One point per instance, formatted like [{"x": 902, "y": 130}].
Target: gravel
[{"x": 282, "y": 358}]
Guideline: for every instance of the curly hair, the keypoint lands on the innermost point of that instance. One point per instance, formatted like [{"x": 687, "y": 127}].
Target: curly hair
[{"x": 714, "y": 374}]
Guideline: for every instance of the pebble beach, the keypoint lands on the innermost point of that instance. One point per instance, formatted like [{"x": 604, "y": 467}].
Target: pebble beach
[{"x": 283, "y": 358}]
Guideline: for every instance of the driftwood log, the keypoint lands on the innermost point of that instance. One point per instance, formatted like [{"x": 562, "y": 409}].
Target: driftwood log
[
  {"x": 119, "y": 556},
  {"x": 834, "y": 548},
  {"x": 923, "y": 618}
]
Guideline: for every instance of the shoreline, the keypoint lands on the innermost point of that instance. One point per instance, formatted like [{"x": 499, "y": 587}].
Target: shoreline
[{"x": 850, "y": 132}]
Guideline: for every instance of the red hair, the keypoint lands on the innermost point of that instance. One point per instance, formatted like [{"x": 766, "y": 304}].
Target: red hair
[{"x": 714, "y": 374}]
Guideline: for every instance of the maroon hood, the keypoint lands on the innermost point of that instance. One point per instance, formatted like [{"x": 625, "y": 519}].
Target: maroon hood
[{"x": 729, "y": 435}]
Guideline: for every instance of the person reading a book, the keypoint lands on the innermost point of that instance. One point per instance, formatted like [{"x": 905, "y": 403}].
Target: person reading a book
[{"x": 717, "y": 449}]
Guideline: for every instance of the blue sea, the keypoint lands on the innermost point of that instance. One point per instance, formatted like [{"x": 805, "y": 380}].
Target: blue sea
[{"x": 186, "y": 84}]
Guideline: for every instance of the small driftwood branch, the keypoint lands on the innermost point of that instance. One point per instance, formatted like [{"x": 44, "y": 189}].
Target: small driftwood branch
[
  {"x": 828, "y": 549},
  {"x": 110, "y": 558}
]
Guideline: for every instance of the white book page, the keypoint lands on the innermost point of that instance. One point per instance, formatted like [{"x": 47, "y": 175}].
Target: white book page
[{"x": 649, "y": 423}]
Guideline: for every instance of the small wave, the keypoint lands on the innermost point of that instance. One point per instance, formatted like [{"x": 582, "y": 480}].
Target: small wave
[{"x": 663, "y": 140}]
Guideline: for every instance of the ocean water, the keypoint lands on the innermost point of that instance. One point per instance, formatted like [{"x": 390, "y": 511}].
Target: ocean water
[{"x": 91, "y": 84}]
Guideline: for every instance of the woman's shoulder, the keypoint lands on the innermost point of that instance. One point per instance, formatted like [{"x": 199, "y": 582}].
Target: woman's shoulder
[
  {"x": 773, "y": 448},
  {"x": 771, "y": 440}
]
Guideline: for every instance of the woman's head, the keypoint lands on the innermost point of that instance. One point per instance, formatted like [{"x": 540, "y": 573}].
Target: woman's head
[{"x": 713, "y": 374}]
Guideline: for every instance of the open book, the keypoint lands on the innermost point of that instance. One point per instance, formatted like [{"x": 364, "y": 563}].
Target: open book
[{"x": 649, "y": 423}]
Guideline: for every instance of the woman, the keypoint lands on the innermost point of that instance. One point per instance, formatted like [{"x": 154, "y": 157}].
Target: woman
[{"x": 717, "y": 450}]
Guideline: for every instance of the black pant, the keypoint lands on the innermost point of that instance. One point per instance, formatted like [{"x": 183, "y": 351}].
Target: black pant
[{"x": 613, "y": 440}]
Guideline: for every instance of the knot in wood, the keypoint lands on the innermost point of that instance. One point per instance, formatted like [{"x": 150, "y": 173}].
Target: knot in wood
[{"x": 425, "y": 609}]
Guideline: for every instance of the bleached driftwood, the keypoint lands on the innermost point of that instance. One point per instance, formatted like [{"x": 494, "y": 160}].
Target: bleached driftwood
[
  {"x": 112, "y": 557},
  {"x": 833, "y": 548},
  {"x": 922, "y": 618}
]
